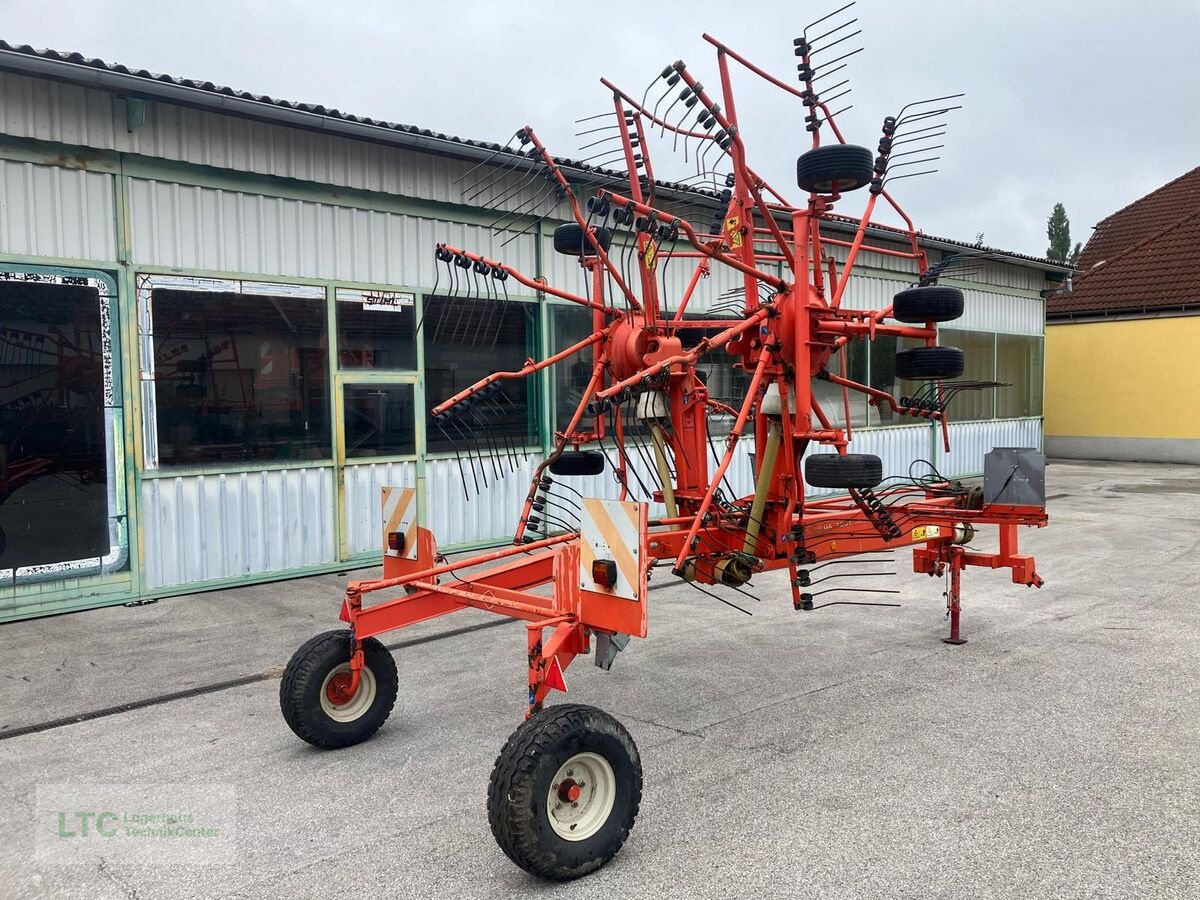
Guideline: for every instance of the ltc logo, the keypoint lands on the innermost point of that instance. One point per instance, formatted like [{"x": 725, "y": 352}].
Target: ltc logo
[{"x": 88, "y": 823}]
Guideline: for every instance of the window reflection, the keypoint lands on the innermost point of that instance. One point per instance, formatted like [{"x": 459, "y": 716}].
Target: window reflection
[
  {"x": 239, "y": 377},
  {"x": 379, "y": 420},
  {"x": 53, "y": 475}
]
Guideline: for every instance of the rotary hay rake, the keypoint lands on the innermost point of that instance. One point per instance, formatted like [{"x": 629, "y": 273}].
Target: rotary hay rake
[{"x": 566, "y": 787}]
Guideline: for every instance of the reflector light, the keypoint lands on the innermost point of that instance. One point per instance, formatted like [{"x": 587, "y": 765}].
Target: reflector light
[{"x": 604, "y": 572}]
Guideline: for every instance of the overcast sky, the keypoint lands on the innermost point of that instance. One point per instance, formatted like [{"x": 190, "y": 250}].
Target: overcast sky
[{"x": 1086, "y": 102}]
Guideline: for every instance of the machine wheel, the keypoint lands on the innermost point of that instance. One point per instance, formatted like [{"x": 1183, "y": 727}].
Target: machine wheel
[
  {"x": 854, "y": 470},
  {"x": 927, "y": 304},
  {"x": 569, "y": 240},
  {"x": 837, "y": 167},
  {"x": 565, "y": 791},
  {"x": 929, "y": 363},
  {"x": 578, "y": 463},
  {"x": 313, "y": 697}
]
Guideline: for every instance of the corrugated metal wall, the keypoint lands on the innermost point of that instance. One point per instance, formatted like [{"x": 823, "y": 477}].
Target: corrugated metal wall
[
  {"x": 984, "y": 310},
  {"x": 52, "y": 211},
  {"x": 970, "y": 441},
  {"x": 184, "y": 226},
  {"x": 203, "y": 527},
  {"x": 459, "y": 516},
  {"x": 50, "y": 111}
]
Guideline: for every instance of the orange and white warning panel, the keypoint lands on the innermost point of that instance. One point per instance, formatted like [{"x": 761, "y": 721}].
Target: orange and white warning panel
[
  {"x": 400, "y": 522},
  {"x": 610, "y": 530}
]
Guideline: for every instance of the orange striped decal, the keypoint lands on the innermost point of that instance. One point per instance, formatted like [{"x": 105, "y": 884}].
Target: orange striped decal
[
  {"x": 611, "y": 529},
  {"x": 400, "y": 514}
]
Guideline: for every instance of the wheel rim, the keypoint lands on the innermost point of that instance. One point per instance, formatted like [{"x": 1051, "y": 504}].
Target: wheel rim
[
  {"x": 336, "y": 701},
  {"x": 581, "y": 796}
]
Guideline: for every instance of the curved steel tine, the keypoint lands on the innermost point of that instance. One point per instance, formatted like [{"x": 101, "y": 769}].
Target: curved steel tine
[
  {"x": 907, "y": 175},
  {"x": 838, "y": 113},
  {"x": 509, "y": 165},
  {"x": 826, "y": 17},
  {"x": 458, "y": 459},
  {"x": 837, "y": 59},
  {"x": 817, "y": 78},
  {"x": 828, "y": 100},
  {"x": 834, "y": 43},
  {"x": 913, "y": 162},
  {"x": 670, "y": 84},
  {"x": 917, "y": 150},
  {"x": 914, "y": 103},
  {"x": 821, "y": 37},
  {"x": 487, "y": 159},
  {"x": 596, "y": 116},
  {"x": 534, "y": 171}
]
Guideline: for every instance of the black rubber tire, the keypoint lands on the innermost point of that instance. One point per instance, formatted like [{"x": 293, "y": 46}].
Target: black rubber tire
[
  {"x": 569, "y": 240},
  {"x": 927, "y": 304},
  {"x": 929, "y": 363},
  {"x": 854, "y": 470},
  {"x": 578, "y": 463},
  {"x": 521, "y": 782},
  {"x": 835, "y": 168},
  {"x": 304, "y": 677}
]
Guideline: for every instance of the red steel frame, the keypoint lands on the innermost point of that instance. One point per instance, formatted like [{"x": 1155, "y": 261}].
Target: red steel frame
[{"x": 783, "y": 341}]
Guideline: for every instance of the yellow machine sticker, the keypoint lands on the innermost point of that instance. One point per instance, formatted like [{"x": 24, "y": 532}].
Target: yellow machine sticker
[
  {"x": 926, "y": 532},
  {"x": 733, "y": 228},
  {"x": 650, "y": 255}
]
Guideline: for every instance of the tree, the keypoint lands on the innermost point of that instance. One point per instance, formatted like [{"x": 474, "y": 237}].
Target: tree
[{"x": 1058, "y": 232}]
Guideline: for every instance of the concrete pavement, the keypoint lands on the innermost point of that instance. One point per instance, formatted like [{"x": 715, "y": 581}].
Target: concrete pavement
[{"x": 845, "y": 752}]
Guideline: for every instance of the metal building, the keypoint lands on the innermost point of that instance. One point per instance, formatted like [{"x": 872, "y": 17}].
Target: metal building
[{"x": 209, "y": 359}]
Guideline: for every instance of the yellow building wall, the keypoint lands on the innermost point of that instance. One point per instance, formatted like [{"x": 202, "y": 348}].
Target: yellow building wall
[{"x": 1135, "y": 378}]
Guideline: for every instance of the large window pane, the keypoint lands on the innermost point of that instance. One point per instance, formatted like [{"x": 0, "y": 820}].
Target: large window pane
[
  {"x": 53, "y": 474},
  {"x": 882, "y": 361},
  {"x": 467, "y": 339},
  {"x": 979, "y": 354},
  {"x": 379, "y": 420},
  {"x": 375, "y": 330},
  {"x": 570, "y": 325},
  {"x": 1019, "y": 363},
  {"x": 239, "y": 377}
]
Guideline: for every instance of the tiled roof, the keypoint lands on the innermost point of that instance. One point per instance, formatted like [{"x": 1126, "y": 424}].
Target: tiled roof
[
  {"x": 70, "y": 61},
  {"x": 1149, "y": 215},
  {"x": 1143, "y": 257}
]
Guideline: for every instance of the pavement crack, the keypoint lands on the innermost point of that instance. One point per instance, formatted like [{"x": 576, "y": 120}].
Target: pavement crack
[
  {"x": 662, "y": 725},
  {"x": 126, "y": 889}
]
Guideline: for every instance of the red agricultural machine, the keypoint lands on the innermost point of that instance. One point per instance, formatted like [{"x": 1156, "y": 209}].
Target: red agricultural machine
[{"x": 566, "y": 787}]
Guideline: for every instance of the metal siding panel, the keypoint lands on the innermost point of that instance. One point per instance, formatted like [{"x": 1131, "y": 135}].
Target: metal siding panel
[
  {"x": 897, "y": 448},
  {"x": 983, "y": 310},
  {"x": 490, "y": 515},
  {"x": 364, "y": 483},
  {"x": 989, "y": 311},
  {"x": 198, "y": 528},
  {"x": 55, "y": 111},
  {"x": 872, "y": 293},
  {"x": 52, "y": 211},
  {"x": 204, "y": 228},
  {"x": 970, "y": 442}
]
